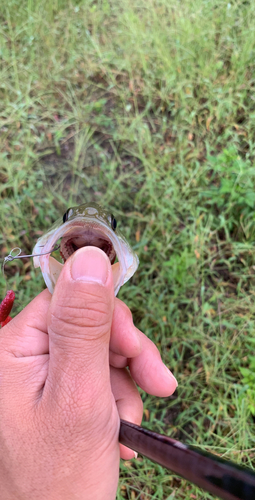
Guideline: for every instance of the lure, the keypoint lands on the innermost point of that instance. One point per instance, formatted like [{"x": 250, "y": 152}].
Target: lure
[{"x": 6, "y": 307}]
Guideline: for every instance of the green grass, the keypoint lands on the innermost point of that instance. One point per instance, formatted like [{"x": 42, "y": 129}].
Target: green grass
[{"x": 149, "y": 109}]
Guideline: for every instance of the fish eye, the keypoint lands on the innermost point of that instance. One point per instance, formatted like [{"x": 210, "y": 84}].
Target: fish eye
[
  {"x": 113, "y": 222},
  {"x": 67, "y": 214}
]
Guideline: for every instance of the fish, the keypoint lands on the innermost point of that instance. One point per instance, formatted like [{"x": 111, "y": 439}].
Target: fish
[{"x": 81, "y": 226}]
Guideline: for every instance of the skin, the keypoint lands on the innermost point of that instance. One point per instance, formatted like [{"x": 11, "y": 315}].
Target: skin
[{"x": 64, "y": 386}]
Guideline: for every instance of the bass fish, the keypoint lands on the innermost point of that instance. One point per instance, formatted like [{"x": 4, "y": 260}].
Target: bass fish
[{"x": 85, "y": 225}]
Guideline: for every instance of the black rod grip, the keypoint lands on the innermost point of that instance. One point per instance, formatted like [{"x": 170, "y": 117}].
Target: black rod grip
[{"x": 211, "y": 473}]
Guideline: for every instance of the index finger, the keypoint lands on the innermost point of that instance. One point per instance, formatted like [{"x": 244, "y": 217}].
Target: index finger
[
  {"x": 26, "y": 334},
  {"x": 149, "y": 371}
]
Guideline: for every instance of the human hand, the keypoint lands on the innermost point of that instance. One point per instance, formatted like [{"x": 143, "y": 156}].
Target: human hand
[{"x": 60, "y": 400}]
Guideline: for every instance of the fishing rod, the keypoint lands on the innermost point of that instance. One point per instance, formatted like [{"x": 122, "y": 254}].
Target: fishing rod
[{"x": 220, "y": 477}]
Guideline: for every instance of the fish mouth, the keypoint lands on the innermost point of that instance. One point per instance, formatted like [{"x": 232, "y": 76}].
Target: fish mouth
[
  {"x": 84, "y": 237},
  {"x": 76, "y": 234},
  {"x": 82, "y": 226}
]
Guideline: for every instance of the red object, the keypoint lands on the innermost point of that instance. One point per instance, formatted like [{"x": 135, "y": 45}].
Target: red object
[
  {"x": 3, "y": 323},
  {"x": 6, "y": 307}
]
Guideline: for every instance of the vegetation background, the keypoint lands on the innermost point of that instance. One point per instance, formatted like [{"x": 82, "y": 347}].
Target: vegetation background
[{"x": 147, "y": 107}]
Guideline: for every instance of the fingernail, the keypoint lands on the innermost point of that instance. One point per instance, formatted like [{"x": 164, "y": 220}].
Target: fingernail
[
  {"x": 135, "y": 454},
  {"x": 171, "y": 376},
  {"x": 90, "y": 264}
]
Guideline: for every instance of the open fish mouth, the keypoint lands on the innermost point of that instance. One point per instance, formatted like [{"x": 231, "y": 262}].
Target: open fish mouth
[
  {"x": 83, "y": 237},
  {"x": 85, "y": 225}
]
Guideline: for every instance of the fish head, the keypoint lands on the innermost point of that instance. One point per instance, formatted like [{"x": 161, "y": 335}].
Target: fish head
[{"x": 85, "y": 225}]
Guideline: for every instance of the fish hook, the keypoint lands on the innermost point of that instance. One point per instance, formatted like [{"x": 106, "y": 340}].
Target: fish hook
[{"x": 12, "y": 256}]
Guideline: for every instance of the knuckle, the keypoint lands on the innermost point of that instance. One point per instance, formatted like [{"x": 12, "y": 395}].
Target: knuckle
[
  {"x": 89, "y": 316},
  {"x": 122, "y": 314},
  {"x": 128, "y": 314},
  {"x": 124, "y": 309},
  {"x": 84, "y": 311}
]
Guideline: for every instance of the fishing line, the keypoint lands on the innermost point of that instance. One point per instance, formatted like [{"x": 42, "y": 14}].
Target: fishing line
[{"x": 12, "y": 256}]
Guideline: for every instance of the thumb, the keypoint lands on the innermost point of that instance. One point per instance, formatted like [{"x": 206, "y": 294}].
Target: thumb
[{"x": 79, "y": 324}]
